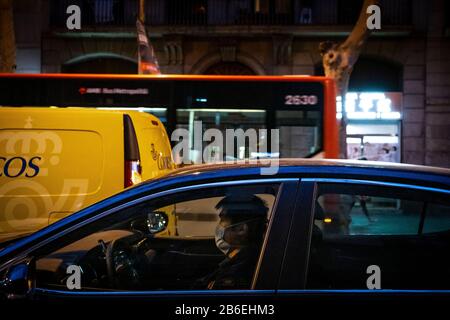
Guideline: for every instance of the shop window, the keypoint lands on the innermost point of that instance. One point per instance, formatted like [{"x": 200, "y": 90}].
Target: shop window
[{"x": 374, "y": 141}]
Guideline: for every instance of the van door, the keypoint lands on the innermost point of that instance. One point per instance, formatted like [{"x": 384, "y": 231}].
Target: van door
[
  {"x": 154, "y": 145},
  {"x": 53, "y": 162}
]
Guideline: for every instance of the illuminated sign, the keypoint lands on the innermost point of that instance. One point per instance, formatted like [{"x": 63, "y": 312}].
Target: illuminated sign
[
  {"x": 120, "y": 91},
  {"x": 370, "y": 106},
  {"x": 300, "y": 100}
]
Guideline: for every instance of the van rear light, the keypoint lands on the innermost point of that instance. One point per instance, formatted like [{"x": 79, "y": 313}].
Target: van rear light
[
  {"x": 133, "y": 169},
  {"x": 133, "y": 173}
]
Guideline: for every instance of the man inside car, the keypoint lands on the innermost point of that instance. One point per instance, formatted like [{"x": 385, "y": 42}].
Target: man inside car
[{"x": 239, "y": 235}]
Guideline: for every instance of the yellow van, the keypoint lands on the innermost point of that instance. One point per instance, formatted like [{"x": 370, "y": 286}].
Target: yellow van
[{"x": 55, "y": 161}]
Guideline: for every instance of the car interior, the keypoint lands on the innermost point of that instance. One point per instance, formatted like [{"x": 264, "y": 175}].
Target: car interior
[{"x": 131, "y": 254}]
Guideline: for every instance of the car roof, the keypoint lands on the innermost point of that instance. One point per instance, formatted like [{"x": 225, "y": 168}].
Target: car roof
[
  {"x": 310, "y": 163},
  {"x": 299, "y": 168}
]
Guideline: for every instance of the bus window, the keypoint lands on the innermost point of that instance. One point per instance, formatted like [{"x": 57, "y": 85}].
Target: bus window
[
  {"x": 300, "y": 133},
  {"x": 223, "y": 119}
]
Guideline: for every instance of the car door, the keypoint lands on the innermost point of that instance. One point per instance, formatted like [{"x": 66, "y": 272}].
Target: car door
[
  {"x": 124, "y": 252},
  {"x": 368, "y": 238}
]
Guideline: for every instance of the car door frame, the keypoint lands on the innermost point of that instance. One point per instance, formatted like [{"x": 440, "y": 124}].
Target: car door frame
[
  {"x": 266, "y": 275},
  {"x": 293, "y": 275}
]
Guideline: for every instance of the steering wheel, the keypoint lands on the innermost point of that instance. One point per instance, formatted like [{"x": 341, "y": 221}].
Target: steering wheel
[{"x": 122, "y": 264}]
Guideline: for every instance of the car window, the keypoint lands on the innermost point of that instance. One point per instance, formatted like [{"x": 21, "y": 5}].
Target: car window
[
  {"x": 437, "y": 218},
  {"x": 361, "y": 214},
  {"x": 398, "y": 232},
  {"x": 197, "y": 240}
]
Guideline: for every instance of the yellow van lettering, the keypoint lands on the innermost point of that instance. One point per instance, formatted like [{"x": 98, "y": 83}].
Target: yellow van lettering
[
  {"x": 4, "y": 160},
  {"x": 153, "y": 152},
  {"x": 160, "y": 163},
  {"x": 17, "y": 166},
  {"x": 6, "y": 169},
  {"x": 164, "y": 162},
  {"x": 167, "y": 162},
  {"x": 34, "y": 167}
]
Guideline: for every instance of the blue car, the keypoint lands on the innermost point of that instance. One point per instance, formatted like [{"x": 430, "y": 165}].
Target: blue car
[{"x": 316, "y": 227}]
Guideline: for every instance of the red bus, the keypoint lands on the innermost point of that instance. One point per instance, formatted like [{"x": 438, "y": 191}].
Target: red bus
[{"x": 302, "y": 108}]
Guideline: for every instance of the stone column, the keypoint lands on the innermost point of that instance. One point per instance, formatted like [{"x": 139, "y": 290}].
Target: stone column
[{"x": 437, "y": 108}]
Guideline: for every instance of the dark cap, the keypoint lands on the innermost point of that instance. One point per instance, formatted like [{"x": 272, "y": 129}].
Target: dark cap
[{"x": 242, "y": 206}]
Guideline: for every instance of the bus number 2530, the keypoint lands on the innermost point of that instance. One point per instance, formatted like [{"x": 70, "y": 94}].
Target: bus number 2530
[{"x": 298, "y": 100}]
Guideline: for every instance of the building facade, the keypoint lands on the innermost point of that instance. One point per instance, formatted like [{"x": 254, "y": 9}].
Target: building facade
[{"x": 409, "y": 57}]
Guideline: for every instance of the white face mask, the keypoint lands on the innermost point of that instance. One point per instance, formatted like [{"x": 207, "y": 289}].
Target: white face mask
[{"x": 221, "y": 244}]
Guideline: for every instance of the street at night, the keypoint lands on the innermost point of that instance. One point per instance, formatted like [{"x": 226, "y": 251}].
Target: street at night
[{"x": 251, "y": 159}]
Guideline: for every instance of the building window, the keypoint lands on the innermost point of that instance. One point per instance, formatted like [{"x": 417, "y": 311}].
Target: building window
[
  {"x": 348, "y": 11},
  {"x": 187, "y": 12}
]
